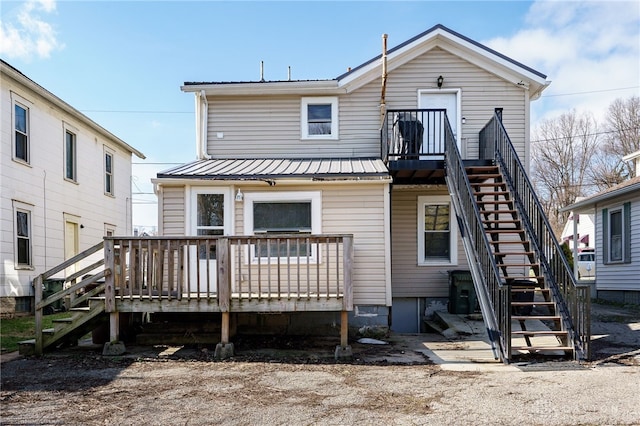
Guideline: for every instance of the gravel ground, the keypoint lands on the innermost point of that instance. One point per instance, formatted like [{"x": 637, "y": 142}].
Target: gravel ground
[{"x": 290, "y": 384}]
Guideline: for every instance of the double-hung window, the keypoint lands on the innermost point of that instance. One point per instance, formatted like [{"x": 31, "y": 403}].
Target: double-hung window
[
  {"x": 70, "y": 159},
  {"x": 209, "y": 220},
  {"x": 22, "y": 230},
  {"x": 437, "y": 236},
  {"x": 616, "y": 226},
  {"x": 108, "y": 173},
  {"x": 319, "y": 118},
  {"x": 21, "y": 132},
  {"x": 294, "y": 214}
]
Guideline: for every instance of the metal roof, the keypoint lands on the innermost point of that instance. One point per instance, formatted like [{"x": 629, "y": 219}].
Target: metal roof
[
  {"x": 629, "y": 188},
  {"x": 279, "y": 168}
]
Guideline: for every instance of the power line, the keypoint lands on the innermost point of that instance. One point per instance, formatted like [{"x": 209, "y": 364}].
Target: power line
[
  {"x": 633, "y": 129},
  {"x": 589, "y": 92}
]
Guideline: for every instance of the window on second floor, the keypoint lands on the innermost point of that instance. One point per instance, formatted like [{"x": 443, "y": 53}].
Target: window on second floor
[
  {"x": 616, "y": 226},
  {"x": 108, "y": 173},
  {"x": 70, "y": 159},
  {"x": 319, "y": 118},
  {"x": 21, "y": 132}
]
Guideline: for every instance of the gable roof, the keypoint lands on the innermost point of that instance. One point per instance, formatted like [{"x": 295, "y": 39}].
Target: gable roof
[
  {"x": 627, "y": 189},
  {"x": 437, "y": 36},
  {"x": 12, "y": 72}
]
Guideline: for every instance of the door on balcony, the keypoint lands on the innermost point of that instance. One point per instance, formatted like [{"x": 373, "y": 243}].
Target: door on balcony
[
  {"x": 433, "y": 139},
  {"x": 210, "y": 218}
]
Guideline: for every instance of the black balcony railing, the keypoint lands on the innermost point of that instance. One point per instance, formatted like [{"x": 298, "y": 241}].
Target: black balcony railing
[{"x": 412, "y": 134}]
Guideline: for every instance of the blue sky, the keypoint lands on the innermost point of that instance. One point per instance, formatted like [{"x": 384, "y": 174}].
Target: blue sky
[{"x": 122, "y": 62}]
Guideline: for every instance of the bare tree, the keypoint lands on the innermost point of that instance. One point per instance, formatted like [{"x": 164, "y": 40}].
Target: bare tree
[
  {"x": 622, "y": 137},
  {"x": 561, "y": 157}
]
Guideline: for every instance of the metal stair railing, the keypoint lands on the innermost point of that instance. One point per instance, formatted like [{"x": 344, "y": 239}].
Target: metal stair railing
[
  {"x": 494, "y": 296},
  {"x": 573, "y": 300}
]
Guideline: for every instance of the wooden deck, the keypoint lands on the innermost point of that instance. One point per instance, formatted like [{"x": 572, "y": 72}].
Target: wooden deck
[{"x": 225, "y": 274}]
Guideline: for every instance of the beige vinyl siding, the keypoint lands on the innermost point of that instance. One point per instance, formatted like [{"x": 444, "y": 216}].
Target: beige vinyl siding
[
  {"x": 407, "y": 278},
  {"x": 269, "y": 126},
  {"x": 173, "y": 210},
  {"x": 356, "y": 209},
  {"x": 619, "y": 276}
]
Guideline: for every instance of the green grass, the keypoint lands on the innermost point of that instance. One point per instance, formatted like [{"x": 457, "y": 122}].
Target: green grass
[{"x": 15, "y": 330}]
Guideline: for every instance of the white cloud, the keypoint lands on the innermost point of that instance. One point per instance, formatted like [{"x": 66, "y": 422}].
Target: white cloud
[
  {"x": 589, "y": 50},
  {"x": 28, "y": 34}
]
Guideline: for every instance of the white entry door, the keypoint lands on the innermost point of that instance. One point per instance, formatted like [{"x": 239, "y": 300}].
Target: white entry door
[
  {"x": 209, "y": 218},
  {"x": 71, "y": 244},
  {"x": 433, "y": 140}
]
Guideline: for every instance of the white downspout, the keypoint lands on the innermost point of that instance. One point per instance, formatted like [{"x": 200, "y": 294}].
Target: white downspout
[{"x": 202, "y": 113}]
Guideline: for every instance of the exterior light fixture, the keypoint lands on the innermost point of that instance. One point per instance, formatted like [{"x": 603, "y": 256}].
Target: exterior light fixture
[
  {"x": 440, "y": 81},
  {"x": 239, "y": 195}
]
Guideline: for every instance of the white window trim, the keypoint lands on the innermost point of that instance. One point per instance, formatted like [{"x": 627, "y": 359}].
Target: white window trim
[
  {"x": 304, "y": 125},
  {"x": 66, "y": 128},
  {"x": 453, "y": 231},
  {"x": 26, "y": 208},
  {"x": 23, "y": 103},
  {"x": 314, "y": 197},
  {"x": 226, "y": 228},
  {"x": 107, "y": 150},
  {"x": 109, "y": 228}
]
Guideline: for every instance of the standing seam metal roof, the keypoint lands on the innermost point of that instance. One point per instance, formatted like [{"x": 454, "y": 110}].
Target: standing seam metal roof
[{"x": 272, "y": 168}]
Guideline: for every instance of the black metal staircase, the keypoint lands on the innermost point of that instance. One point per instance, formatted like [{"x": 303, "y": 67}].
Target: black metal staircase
[{"x": 527, "y": 292}]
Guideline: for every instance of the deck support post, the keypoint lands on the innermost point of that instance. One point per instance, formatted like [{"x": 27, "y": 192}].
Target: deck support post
[
  {"x": 224, "y": 349},
  {"x": 344, "y": 350}
]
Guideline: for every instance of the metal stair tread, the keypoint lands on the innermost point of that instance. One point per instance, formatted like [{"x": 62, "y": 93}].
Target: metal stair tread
[
  {"x": 539, "y": 333},
  {"x": 536, "y": 317},
  {"x": 542, "y": 348}
]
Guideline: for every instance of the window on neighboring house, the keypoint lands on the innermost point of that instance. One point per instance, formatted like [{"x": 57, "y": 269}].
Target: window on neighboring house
[
  {"x": 70, "y": 156},
  {"x": 319, "y": 118},
  {"x": 616, "y": 225},
  {"x": 108, "y": 173},
  {"x": 437, "y": 236},
  {"x": 21, "y": 133},
  {"x": 293, "y": 213},
  {"x": 23, "y": 237}
]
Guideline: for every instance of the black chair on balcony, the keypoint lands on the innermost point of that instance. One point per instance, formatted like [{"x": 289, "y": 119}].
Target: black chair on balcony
[{"x": 408, "y": 133}]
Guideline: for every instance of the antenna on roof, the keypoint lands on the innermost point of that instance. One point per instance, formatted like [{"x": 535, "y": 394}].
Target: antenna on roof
[
  {"x": 261, "y": 70},
  {"x": 289, "y": 73}
]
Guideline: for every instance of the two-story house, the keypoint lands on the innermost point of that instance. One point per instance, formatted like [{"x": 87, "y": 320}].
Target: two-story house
[
  {"x": 334, "y": 204},
  {"x": 65, "y": 182}
]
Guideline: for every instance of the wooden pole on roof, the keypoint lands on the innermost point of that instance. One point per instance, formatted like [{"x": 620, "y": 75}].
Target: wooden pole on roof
[{"x": 383, "y": 105}]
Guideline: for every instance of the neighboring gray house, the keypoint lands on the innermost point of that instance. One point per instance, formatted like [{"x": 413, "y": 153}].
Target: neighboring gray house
[
  {"x": 617, "y": 238},
  {"x": 65, "y": 183}
]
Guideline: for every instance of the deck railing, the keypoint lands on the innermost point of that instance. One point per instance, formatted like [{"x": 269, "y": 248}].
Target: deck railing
[
  {"x": 262, "y": 272},
  {"x": 573, "y": 299},
  {"x": 413, "y": 134}
]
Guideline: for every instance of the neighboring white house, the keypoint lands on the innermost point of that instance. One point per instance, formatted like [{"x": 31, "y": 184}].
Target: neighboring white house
[
  {"x": 65, "y": 182},
  {"x": 617, "y": 238}
]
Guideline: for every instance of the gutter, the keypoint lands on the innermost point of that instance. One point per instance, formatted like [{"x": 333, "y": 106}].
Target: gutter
[{"x": 202, "y": 116}]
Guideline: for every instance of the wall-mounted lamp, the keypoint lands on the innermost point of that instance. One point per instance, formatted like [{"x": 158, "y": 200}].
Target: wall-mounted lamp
[
  {"x": 239, "y": 195},
  {"x": 440, "y": 81},
  {"x": 81, "y": 226},
  {"x": 464, "y": 120}
]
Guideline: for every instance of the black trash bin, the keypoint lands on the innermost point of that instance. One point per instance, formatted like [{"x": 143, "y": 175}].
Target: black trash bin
[
  {"x": 525, "y": 292},
  {"x": 50, "y": 287},
  {"x": 462, "y": 294}
]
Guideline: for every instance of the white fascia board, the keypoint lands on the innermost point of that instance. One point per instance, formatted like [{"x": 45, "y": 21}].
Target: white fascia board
[
  {"x": 378, "y": 180},
  {"x": 589, "y": 204},
  {"x": 324, "y": 87}
]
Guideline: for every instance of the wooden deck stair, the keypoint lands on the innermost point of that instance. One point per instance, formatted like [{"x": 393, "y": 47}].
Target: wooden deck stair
[
  {"x": 67, "y": 331},
  {"x": 537, "y": 327}
]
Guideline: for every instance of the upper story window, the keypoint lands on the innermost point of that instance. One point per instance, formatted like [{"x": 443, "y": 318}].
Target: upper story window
[
  {"x": 21, "y": 132},
  {"x": 616, "y": 225},
  {"x": 70, "y": 159},
  {"x": 108, "y": 173},
  {"x": 437, "y": 236},
  {"x": 319, "y": 118}
]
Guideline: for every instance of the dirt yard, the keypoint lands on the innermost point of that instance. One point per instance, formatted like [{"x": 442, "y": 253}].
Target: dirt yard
[{"x": 292, "y": 384}]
